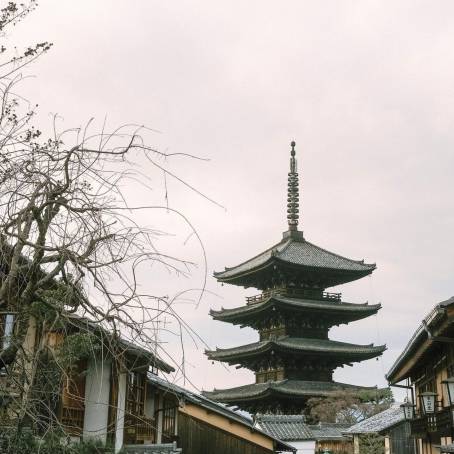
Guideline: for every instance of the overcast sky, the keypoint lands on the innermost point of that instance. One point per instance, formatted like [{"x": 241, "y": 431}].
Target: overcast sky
[{"x": 365, "y": 88}]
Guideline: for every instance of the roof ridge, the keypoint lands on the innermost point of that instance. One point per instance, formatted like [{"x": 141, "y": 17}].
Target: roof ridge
[
  {"x": 361, "y": 262},
  {"x": 270, "y": 249}
]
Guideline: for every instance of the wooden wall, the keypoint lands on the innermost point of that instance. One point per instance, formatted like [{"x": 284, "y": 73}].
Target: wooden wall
[
  {"x": 336, "y": 447},
  {"x": 197, "y": 437},
  {"x": 400, "y": 440}
]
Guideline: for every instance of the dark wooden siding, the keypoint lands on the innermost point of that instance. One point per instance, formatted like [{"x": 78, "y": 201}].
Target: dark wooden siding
[
  {"x": 400, "y": 440},
  {"x": 197, "y": 437},
  {"x": 335, "y": 447}
]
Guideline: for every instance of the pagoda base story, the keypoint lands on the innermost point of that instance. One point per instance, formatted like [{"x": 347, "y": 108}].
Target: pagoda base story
[{"x": 279, "y": 397}]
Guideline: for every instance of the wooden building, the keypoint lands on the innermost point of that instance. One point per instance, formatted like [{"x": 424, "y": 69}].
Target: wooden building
[
  {"x": 307, "y": 438},
  {"x": 294, "y": 359},
  {"x": 206, "y": 427},
  {"x": 386, "y": 432},
  {"x": 119, "y": 400},
  {"x": 425, "y": 363}
]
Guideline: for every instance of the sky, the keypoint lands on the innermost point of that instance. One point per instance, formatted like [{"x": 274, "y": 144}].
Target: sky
[{"x": 366, "y": 90}]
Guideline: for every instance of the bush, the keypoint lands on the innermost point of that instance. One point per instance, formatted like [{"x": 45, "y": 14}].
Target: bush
[{"x": 12, "y": 442}]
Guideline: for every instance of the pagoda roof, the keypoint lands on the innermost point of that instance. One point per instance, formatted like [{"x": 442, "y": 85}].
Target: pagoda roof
[
  {"x": 307, "y": 258},
  {"x": 284, "y": 388},
  {"x": 299, "y": 346},
  {"x": 335, "y": 309}
]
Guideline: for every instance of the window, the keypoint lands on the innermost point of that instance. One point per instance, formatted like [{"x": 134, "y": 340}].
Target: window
[
  {"x": 135, "y": 400},
  {"x": 168, "y": 421}
]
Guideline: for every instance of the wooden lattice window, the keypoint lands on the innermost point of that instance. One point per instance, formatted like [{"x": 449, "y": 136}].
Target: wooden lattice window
[
  {"x": 169, "y": 420},
  {"x": 135, "y": 400},
  {"x": 73, "y": 401}
]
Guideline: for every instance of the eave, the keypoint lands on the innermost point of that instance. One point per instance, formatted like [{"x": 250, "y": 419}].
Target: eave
[
  {"x": 339, "y": 312},
  {"x": 436, "y": 323},
  {"x": 294, "y": 254},
  {"x": 293, "y": 389},
  {"x": 341, "y": 352}
]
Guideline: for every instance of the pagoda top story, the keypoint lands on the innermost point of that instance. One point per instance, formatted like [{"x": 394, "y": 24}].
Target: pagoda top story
[{"x": 294, "y": 261}]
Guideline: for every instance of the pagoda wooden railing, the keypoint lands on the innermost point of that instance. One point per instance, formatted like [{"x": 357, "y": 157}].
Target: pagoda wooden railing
[{"x": 296, "y": 293}]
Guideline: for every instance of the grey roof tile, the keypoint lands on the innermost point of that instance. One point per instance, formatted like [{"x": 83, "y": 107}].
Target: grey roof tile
[
  {"x": 329, "y": 431},
  {"x": 298, "y": 252},
  {"x": 293, "y": 427},
  {"x": 378, "y": 422},
  {"x": 285, "y": 427}
]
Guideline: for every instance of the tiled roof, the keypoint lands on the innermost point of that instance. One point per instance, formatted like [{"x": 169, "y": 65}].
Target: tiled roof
[
  {"x": 313, "y": 305},
  {"x": 379, "y": 422},
  {"x": 329, "y": 431},
  {"x": 126, "y": 345},
  {"x": 294, "y": 249},
  {"x": 296, "y": 344},
  {"x": 285, "y": 427},
  {"x": 293, "y": 427},
  {"x": 294, "y": 388},
  {"x": 432, "y": 319}
]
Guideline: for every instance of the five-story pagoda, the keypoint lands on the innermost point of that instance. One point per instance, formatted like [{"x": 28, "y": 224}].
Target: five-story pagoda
[{"x": 294, "y": 359}]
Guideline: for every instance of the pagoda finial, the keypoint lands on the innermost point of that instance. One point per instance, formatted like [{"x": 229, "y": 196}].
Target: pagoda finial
[{"x": 293, "y": 192}]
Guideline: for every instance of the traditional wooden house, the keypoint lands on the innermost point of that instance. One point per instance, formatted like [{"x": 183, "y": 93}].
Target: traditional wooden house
[
  {"x": 202, "y": 426},
  {"x": 386, "y": 432},
  {"x": 294, "y": 359},
  {"x": 426, "y": 369},
  {"x": 306, "y": 438},
  {"x": 103, "y": 389},
  {"x": 113, "y": 394}
]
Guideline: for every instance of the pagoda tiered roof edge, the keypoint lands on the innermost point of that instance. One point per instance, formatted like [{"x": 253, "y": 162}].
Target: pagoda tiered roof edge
[
  {"x": 289, "y": 388},
  {"x": 297, "y": 303},
  {"x": 295, "y": 250},
  {"x": 297, "y": 345}
]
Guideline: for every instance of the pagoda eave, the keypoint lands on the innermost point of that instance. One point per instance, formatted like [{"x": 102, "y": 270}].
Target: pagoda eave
[
  {"x": 339, "y": 352},
  {"x": 336, "y": 312},
  {"x": 295, "y": 389},
  {"x": 324, "y": 277}
]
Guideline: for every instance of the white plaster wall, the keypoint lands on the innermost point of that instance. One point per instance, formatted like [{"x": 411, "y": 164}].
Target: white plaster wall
[
  {"x": 150, "y": 403},
  {"x": 97, "y": 392},
  {"x": 303, "y": 447},
  {"x": 120, "y": 423}
]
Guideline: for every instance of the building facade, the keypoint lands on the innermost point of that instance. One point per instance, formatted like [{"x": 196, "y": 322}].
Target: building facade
[
  {"x": 120, "y": 401},
  {"x": 424, "y": 367}
]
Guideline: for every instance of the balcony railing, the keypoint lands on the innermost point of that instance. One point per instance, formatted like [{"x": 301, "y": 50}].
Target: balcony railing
[
  {"x": 294, "y": 293},
  {"x": 440, "y": 423},
  {"x": 72, "y": 419},
  {"x": 140, "y": 428}
]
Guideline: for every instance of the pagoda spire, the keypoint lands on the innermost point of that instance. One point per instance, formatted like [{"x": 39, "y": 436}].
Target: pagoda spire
[{"x": 293, "y": 192}]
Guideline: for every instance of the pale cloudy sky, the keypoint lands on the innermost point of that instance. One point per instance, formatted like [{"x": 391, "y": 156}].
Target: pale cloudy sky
[{"x": 366, "y": 88}]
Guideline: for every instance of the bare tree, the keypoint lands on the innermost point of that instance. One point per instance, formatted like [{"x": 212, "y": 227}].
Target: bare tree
[
  {"x": 349, "y": 407},
  {"x": 69, "y": 243}
]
